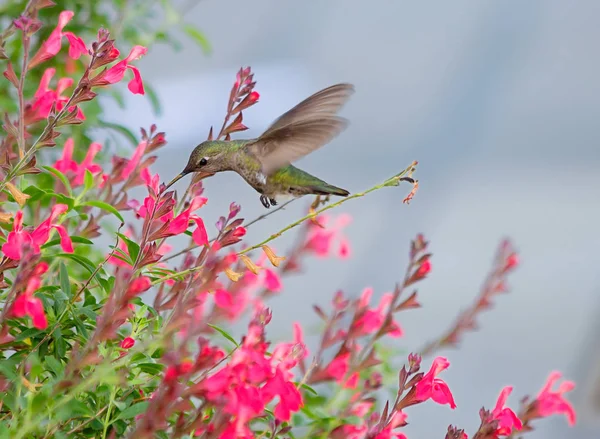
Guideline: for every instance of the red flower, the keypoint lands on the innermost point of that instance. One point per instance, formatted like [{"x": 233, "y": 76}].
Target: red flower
[
  {"x": 199, "y": 235},
  {"x": 132, "y": 164},
  {"x": 52, "y": 45},
  {"x": 507, "y": 419},
  {"x": 371, "y": 320},
  {"x": 435, "y": 388},
  {"x": 66, "y": 163},
  {"x": 44, "y": 98},
  {"x": 290, "y": 399},
  {"x": 16, "y": 239},
  {"x": 127, "y": 343},
  {"x": 424, "y": 269},
  {"x": 117, "y": 72},
  {"x": 232, "y": 305},
  {"x": 551, "y": 402},
  {"x": 338, "y": 369},
  {"x": 320, "y": 240},
  {"x": 138, "y": 286},
  {"x": 181, "y": 222},
  {"x": 27, "y": 304},
  {"x": 13, "y": 246}
]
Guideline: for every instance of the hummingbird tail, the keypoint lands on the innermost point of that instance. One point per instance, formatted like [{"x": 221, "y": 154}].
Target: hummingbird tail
[{"x": 330, "y": 190}]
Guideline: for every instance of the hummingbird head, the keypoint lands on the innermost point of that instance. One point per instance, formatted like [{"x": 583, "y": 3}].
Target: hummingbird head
[{"x": 207, "y": 159}]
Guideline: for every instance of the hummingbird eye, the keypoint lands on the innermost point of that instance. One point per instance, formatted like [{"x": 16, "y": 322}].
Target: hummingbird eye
[{"x": 203, "y": 161}]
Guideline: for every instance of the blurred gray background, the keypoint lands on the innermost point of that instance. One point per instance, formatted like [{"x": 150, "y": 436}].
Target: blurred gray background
[{"x": 498, "y": 101}]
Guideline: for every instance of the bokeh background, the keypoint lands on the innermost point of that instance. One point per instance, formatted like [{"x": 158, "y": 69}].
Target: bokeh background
[{"x": 498, "y": 101}]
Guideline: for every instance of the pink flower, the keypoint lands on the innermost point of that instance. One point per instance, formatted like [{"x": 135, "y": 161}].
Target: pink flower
[
  {"x": 435, "y": 388},
  {"x": 67, "y": 165},
  {"x": 398, "y": 420},
  {"x": 267, "y": 278},
  {"x": 507, "y": 419},
  {"x": 127, "y": 343},
  {"x": 52, "y": 45},
  {"x": 232, "y": 305},
  {"x": 132, "y": 163},
  {"x": 44, "y": 98},
  {"x": 338, "y": 369},
  {"x": 320, "y": 240},
  {"x": 117, "y": 72},
  {"x": 551, "y": 402},
  {"x": 27, "y": 304},
  {"x": 424, "y": 269},
  {"x": 181, "y": 222},
  {"x": 371, "y": 320},
  {"x": 138, "y": 286},
  {"x": 199, "y": 235},
  {"x": 272, "y": 281},
  {"x": 361, "y": 408},
  {"x": 16, "y": 239},
  {"x": 290, "y": 399},
  {"x": 41, "y": 234}
]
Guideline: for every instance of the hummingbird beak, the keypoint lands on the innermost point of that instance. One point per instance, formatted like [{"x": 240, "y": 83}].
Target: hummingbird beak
[
  {"x": 200, "y": 176},
  {"x": 175, "y": 180}
]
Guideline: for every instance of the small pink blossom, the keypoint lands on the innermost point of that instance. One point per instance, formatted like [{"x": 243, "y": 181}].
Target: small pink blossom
[
  {"x": 127, "y": 343},
  {"x": 550, "y": 402},
  {"x": 67, "y": 165},
  {"x": 435, "y": 388},
  {"x": 44, "y": 98},
  {"x": 52, "y": 45},
  {"x": 27, "y": 304},
  {"x": 371, "y": 320},
  {"x": 18, "y": 237},
  {"x": 338, "y": 369},
  {"x": 321, "y": 240},
  {"x": 507, "y": 419},
  {"x": 117, "y": 72}
]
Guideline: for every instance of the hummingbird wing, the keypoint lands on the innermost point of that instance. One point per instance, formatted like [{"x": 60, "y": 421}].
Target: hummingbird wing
[{"x": 305, "y": 128}]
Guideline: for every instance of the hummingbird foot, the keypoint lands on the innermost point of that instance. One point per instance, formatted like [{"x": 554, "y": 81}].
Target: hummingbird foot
[
  {"x": 273, "y": 201},
  {"x": 265, "y": 201}
]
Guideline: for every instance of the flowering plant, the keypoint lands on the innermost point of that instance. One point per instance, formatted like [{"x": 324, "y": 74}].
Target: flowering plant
[{"x": 133, "y": 341}]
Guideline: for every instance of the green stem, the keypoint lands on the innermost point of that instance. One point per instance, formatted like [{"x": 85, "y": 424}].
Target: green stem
[
  {"x": 392, "y": 181},
  {"x": 108, "y": 412}
]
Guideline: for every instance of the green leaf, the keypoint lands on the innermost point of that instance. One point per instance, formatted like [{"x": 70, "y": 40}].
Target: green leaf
[
  {"x": 60, "y": 346},
  {"x": 199, "y": 38},
  {"x": 60, "y": 198},
  {"x": 118, "y": 96},
  {"x": 154, "y": 101},
  {"x": 151, "y": 368},
  {"x": 81, "y": 260},
  {"x": 134, "y": 410},
  {"x": 54, "y": 365},
  {"x": 132, "y": 247},
  {"x": 123, "y": 130},
  {"x": 80, "y": 326},
  {"x": 61, "y": 177},
  {"x": 65, "y": 283},
  {"x": 28, "y": 333},
  {"x": 72, "y": 409},
  {"x": 88, "y": 180},
  {"x": 77, "y": 239},
  {"x": 34, "y": 192},
  {"x": 310, "y": 389},
  {"x": 224, "y": 334},
  {"x": 104, "y": 206}
]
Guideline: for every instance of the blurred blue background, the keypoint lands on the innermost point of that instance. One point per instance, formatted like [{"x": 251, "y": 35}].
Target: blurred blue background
[{"x": 498, "y": 101}]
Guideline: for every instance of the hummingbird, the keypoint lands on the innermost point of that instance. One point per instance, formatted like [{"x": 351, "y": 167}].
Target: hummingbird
[{"x": 265, "y": 163}]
